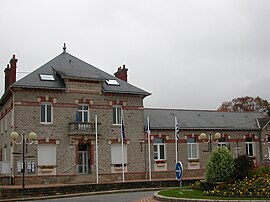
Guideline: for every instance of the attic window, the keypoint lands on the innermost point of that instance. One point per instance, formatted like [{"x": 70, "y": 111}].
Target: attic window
[
  {"x": 46, "y": 77},
  {"x": 112, "y": 82}
]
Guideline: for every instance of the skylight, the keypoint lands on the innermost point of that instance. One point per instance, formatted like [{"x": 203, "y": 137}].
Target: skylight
[
  {"x": 46, "y": 77},
  {"x": 112, "y": 82}
]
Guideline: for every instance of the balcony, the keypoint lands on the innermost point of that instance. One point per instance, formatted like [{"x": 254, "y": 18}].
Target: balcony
[{"x": 82, "y": 128}]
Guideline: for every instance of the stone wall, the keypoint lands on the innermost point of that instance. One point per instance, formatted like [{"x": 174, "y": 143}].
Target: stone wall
[
  {"x": 84, "y": 188},
  {"x": 107, "y": 178}
]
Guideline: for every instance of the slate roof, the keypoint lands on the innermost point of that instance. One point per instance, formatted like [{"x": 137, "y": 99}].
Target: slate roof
[
  {"x": 66, "y": 65},
  {"x": 263, "y": 121},
  {"x": 201, "y": 119}
]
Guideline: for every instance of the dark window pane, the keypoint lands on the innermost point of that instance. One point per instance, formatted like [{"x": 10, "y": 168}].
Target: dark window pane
[
  {"x": 42, "y": 115},
  {"x": 85, "y": 117},
  {"x": 250, "y": 150},
  {"x": 114, "y": 115},
  {"x": 191, "y": 140},
  {"x": 49, "y": 114},
  {"x": 159, "y": 140},
  {"x": 162, "y": 154},
  {"x": 119, "y": 115}
]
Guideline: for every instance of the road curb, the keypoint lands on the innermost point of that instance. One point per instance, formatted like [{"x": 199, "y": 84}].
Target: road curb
[{"x": 172, "y": 199}]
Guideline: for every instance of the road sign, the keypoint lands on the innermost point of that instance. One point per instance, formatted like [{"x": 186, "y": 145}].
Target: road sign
[{"x": 179, "y": 170}]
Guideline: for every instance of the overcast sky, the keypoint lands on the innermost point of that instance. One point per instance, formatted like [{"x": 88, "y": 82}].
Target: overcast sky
[{"x": 189, "y": 54}]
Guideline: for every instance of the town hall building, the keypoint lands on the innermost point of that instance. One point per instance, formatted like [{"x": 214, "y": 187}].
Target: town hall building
[{"x": 79, "y": 112}]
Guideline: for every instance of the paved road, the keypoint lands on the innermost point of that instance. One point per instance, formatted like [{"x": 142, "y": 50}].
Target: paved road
[{"x": 119, "y": 197}]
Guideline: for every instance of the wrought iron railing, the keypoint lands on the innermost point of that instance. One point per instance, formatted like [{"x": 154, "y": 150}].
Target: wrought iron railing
[{"x": 82, "y": 127}]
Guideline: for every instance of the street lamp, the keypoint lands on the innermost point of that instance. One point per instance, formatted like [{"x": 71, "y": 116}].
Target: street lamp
[
  {"x": 210, "y": 139},
  {"x": 14, "y": 136}
]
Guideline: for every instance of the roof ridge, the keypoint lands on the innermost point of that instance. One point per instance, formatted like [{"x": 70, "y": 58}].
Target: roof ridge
[
  {"x": 175, "y": 109},
  {"x": 198, "y": 110}
]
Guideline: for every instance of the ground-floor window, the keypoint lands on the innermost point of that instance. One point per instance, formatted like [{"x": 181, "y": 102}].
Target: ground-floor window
[
  {"x": 192, "y": 148},
  {"x": 222, "y": 142},
  {"x": 249, "y": 147},
  {"x": 116, "y": 154},
  {"x": 46, "y": 154},
  {"x": 159, "y": 149}
]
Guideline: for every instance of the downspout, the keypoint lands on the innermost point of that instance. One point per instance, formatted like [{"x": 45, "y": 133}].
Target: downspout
[
  {"x": 13, "y": 127},
  {"x": 260, "y": 141}
]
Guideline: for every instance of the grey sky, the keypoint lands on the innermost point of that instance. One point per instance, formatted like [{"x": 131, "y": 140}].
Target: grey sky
[{"x": 187, "y": 53}]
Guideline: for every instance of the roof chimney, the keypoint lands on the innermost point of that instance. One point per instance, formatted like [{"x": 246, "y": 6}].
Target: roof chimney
[
  {"x": 121, "y": 73},
  {"x": 10, "y": 72},
  {"x": 13, "y": 66},
  {"x": 7, "y": 77}
]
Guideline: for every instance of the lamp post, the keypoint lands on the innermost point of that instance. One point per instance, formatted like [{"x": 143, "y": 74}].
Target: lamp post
[
  {"x": 210, "y": 139},
  {"x": 14, "y": 136}
]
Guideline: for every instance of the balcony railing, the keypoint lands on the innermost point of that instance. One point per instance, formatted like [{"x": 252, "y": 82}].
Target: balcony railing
[{"x": 82, "y": 128}]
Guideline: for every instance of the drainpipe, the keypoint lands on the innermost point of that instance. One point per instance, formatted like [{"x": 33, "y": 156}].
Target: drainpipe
[
  {"x": 13, "y": 127},
  {"x": 260, "y": 141}
]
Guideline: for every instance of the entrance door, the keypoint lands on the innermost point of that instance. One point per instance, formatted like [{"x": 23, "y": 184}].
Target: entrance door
[{"x": 83, "y": 159}]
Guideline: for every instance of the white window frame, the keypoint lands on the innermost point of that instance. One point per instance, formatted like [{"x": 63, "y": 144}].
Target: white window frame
[
  {"x": 248, "y": 144},
  {"x": 117, "y": 113},
  {"x": 82, "y": 112},
  {"x": 190, "y": 150},
  {"x": 157, "y": 149},
  {"x": 46, "y": 104},
  {"x": 116, "y": 154}
]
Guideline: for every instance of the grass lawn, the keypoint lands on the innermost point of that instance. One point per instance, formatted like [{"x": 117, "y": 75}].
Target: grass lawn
[{"x": 197, "y": 194}]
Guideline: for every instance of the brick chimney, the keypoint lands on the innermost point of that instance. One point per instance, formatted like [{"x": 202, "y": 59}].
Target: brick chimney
[
  {"x": 13, "y": 67},
  {"x": 121, "y": 73},
  {"x": 10, "y": 72},
  {"x": 7, "y": 77}
]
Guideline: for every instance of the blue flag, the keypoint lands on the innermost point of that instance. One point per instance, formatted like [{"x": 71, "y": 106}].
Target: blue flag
[
  {"x": 77, "y": 116},
  {"x": 123, "y": 130}
]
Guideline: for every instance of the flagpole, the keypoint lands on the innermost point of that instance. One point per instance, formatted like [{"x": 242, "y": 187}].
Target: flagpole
[
  {"x": 96, "y": 148},
  {"x": 122, "y": 147},
  {"x": 268, "y": 152},
  {"x": 149, "y": 149},
  {"x": 175, "y": 135}
]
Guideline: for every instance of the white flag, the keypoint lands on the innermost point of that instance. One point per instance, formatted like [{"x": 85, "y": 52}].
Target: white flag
[{"x": 177, "y": 129}]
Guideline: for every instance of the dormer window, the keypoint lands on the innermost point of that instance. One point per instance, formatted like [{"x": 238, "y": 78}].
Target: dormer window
[
  {"x": 112, "y": 82},
  {"x": 46, "y": 77}
]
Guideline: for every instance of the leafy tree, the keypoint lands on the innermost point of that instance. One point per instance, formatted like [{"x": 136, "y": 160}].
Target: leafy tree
[
  {"x": 220, "y": 165},
  {"x": 246, "y": 104}
]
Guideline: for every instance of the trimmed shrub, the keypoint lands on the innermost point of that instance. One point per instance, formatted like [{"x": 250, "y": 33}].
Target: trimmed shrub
[
  {"x": 243, "y": 166},
  {"x": 220, "y": 165}
]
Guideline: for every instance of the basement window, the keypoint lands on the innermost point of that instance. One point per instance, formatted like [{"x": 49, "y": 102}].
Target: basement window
[
  {"x": 112, "y": 82},
  {"x": 46, "y": 77}
]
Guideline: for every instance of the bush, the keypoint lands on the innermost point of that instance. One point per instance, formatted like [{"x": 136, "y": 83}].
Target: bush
[
  {"x": 243, "y": 166},
  {"x": 220, "y": 166}
]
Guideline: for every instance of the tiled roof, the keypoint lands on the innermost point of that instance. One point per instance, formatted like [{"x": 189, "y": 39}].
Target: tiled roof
[
  {"x": 201, "y": 119},
  {"x": 67, "y": 66}
]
